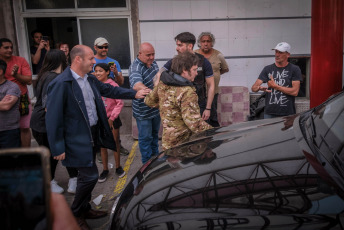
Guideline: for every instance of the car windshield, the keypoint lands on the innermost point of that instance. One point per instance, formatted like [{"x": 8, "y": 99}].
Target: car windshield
[{"x": 324, "y": 130}]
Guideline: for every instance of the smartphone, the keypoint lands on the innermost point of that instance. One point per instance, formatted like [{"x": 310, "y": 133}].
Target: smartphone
[
  {"x": 25, "y": 188},
  {"x": 45, "y": 38},
  {"x": 111, "y": 63}
]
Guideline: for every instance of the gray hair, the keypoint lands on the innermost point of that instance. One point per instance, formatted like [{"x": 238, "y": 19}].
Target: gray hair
[{"x": 205, "y": 34}]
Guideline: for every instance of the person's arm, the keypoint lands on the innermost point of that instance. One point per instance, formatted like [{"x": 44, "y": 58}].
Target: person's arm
[
  {"x": 293, "y": 91},
  {"x": 257, "y": 86},
  {"x": 63, "y": 217},
  {"x": 190, "y": 112},
  {"x": 135, "y": 79},
  {"x": 210, "y": 96},
  {"x": 222, "y": 71},
  {"x": 209, "y": 79},
  {"x": 152, "y": 99},
  {"x": 138, "y": 86},
  {"x": 54, "y": 118},
  {"x": 8, "y": 102},
  {"x": 119, "y": 79},
  {"x": 224, "y": 66},
  {"x": 166, "y": 67},
  {"x": 23, "y": 78},
  {"x": 107, "y": 90},
  {"x": 117, "y": 109},
  {"x": 37, "y": 56}
]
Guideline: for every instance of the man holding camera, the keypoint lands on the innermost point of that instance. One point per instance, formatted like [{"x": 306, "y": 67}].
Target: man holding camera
[{"x": 38, "y": 50}]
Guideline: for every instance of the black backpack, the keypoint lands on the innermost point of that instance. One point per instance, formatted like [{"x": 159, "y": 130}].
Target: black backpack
[{"x": 257, "y": 108}]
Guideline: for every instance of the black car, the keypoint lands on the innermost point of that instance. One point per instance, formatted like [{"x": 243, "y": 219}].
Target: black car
[{"x": 281, "y": 173}]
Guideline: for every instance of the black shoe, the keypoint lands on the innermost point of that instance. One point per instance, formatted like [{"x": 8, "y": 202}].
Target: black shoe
[
  {"x": 123, "y": 151},
  {"x": 120, "y": 172},
  {"x": 103, "y": 176}
]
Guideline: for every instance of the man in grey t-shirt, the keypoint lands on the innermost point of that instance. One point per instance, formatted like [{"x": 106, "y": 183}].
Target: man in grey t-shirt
[
  {"x": 9, "y": 111},
  {"x": 283, "y": 80}
]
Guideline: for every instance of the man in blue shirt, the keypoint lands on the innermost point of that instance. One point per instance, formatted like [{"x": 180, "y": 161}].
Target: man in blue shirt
[
  {"x": 141, "y": 74},
  {"x": 101, "y": 46}
]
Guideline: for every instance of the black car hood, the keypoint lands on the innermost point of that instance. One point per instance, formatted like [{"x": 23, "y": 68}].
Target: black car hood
[{"x": 247, "y": 175}]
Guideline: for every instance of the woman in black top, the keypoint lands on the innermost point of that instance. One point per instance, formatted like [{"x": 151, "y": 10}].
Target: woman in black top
[{"x": 54, "y": 63}]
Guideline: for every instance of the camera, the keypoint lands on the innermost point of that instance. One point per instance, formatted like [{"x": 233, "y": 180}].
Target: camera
[{"x": 45, "y": 38}]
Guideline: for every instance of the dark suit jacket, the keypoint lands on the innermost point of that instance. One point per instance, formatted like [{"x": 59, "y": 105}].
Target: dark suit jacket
[{"x": 67, "y": 122}]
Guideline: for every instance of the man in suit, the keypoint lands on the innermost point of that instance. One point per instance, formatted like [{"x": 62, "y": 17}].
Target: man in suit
[{"x": 77, "y": 125}]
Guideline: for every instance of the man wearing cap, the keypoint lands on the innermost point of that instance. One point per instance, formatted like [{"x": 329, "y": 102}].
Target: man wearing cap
[
  {"x": 101, "y": 46},
  {"x": 283, "y": 79}
]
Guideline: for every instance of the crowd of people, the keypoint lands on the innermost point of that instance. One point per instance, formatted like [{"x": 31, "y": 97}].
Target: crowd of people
[{"x": 77, "y": 112}]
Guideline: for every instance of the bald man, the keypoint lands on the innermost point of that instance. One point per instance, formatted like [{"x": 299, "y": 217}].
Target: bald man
[
  {"x": 141, "y": 74},
  {"x": 77, "y": 125}
]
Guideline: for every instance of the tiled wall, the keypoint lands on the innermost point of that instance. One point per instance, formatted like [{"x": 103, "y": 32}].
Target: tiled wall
[{"x": 252, "y": 29}]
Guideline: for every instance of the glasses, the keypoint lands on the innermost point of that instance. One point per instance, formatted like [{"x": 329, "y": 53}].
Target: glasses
[{"x": 102, "y": 47}]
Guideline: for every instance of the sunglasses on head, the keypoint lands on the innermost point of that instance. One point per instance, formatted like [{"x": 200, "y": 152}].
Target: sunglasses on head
[{"x": 102, "y": 47}]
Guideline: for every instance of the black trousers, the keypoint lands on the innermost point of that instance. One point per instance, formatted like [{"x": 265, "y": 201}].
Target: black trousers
[
  {"x": 87, "y": 180},
  {"x": 42, "y": 140}
]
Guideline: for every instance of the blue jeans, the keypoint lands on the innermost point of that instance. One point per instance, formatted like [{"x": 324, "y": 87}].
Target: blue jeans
[{"x": 148, "y": 137}]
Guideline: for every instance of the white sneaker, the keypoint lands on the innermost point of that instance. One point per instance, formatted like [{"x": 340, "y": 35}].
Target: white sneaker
[
  {"x": 72, "y": 185},
  {"x": 55, "y": 187}
]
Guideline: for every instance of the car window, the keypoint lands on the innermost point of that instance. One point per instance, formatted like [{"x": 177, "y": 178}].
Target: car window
[{"x": 329, "y": 126}]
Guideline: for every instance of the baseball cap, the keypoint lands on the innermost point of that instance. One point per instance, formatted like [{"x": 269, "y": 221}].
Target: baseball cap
[
  {"x": 283, "y": 47},
  {"x": 100, "y": 41}
]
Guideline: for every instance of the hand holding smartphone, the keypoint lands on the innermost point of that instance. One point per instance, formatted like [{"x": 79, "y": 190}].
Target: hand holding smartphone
[{"x": 25, "y": 188}]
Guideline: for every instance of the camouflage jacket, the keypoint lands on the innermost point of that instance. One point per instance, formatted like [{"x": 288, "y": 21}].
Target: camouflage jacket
[{"x": 177, "y": 101}]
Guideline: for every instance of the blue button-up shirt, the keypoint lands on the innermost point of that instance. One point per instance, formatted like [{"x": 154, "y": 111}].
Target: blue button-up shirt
[{"x": 88, "y": 97}]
